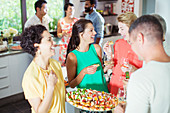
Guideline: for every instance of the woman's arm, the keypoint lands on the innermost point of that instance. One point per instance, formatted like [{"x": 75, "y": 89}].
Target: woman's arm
[
  {"x": 42, "y": 106},
  {"x": 71, "y": 64},
  {"x": 59, "y": 30},
  {"x": 99, "y": 52}
]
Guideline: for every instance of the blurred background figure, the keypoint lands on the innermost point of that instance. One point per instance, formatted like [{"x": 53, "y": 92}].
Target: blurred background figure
[
  {"x": 96, "y": 18},
  {"x": 43, "y": 82},
  {"x": 40, "y": 16},
  {"x": 125, "y": 60},
  {"x": 163, "y": 23},
  {"x": 64, "y": 30}
]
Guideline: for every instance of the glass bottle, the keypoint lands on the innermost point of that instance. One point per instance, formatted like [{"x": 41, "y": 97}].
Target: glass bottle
[{"x": 127, "y": 74}]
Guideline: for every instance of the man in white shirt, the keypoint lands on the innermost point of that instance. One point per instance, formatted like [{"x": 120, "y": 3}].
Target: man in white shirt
[
  {"x": 40, "y": 16},
  {"x": 148, "y": 89}
]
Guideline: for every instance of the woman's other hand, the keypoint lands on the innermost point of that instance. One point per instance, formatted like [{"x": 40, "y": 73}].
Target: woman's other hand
[
  {"x": 90, "y": 69},
  {"x": 108, "y": 65},
  {"x": 107, "y": 49},
  {"x": 133, "y": 68},
  {"x": 51, "y": 79},
  {"x": 66, "y": 33}
]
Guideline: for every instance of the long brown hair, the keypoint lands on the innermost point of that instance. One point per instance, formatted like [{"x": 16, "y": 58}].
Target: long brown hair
[{"x": 78, "y": 28}]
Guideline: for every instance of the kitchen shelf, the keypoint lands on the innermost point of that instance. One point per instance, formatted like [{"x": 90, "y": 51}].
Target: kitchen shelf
[{"x": 110, "y": 15}]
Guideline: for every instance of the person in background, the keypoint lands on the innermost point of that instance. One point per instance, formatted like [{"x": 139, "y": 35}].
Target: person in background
[
  {"x": 84, "y": 60},
  {"x": 163, "y": 23},
  {"x": 148, "y": 88},
  {"x": 96, "y": 18},
  {"x": 64, "y": 30},
  {"x": 43, "y": 82},
  {"x": 122, "y": 52},
  {"x": 40, "y": 16}
]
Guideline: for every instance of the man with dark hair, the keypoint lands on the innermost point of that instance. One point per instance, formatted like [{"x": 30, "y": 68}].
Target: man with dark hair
[
  {"x": 39, "y": 17},
  {"x": 96, "y": 18},
  {"x": 149, "y": 87}
]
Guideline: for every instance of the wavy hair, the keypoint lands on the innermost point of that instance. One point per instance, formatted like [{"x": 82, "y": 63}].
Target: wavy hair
[
  {"x": 78, "y": 27},
  {"x": 30, "y": 36},
  {"x": 127, "y": 18}
]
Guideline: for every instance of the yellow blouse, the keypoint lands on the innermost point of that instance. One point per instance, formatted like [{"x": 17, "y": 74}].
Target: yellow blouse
[{"x": 34, "y": 85}]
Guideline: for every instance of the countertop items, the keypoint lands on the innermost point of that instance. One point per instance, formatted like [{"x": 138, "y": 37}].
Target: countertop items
[{"x": 10, "y": 53}]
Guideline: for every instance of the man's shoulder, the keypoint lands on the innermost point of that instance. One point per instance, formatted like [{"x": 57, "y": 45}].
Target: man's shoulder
[
  {"x": 98, "y": 15},
  {"x": 33, "y": 18},
  {"x": 152, "y": 69},
  {"x": 31, "y": 21}
]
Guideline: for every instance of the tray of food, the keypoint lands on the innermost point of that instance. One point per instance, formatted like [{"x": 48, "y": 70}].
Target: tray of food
[{"x": 92, "y": 100}]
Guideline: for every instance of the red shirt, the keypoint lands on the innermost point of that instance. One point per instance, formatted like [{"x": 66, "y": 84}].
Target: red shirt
[{"x": 122, "y": 50}]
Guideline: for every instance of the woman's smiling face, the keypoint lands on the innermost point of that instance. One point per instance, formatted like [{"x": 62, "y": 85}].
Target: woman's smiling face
[
  {"x": 89, "y": 33},
  {"x": 47, "y": 45}
]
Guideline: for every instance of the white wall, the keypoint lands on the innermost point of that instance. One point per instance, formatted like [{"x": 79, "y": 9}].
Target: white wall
[
  {"x": 79, "y": 7},
  {"x": 138, "y": 7},
  {"x": 162, "y": 8}
]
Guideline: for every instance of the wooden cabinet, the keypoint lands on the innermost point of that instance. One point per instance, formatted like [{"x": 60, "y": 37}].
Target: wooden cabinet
[{"x": 12, "y": 68}]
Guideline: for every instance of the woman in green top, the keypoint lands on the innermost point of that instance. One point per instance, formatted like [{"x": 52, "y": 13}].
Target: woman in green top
[{"x": 81, "y": 57}]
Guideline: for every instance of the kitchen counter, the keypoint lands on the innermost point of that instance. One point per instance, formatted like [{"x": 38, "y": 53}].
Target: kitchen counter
[{"x": 10, "y": 53}]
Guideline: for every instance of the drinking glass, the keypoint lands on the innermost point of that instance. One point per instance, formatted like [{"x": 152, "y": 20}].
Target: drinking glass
[
  {"x": 121, "y": 95},
  {"x": 125, "y": 65}
]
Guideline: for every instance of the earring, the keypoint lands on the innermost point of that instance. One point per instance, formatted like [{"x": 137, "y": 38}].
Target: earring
[{"x": 38, "y": 52}]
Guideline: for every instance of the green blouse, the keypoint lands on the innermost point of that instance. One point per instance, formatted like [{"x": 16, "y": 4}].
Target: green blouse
[{"x": 94, "y": 81}]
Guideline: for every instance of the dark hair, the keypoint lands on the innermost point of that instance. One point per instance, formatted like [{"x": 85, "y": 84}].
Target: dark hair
[
  {"x": 93, "y": 2},
  {"x": 30, "y": 36},
  {"x": 39, "y": 4},
  {"x": 149, "y": 26},
  {"x": 78, "y": 27},
  {"x": 67, "y": 5}
]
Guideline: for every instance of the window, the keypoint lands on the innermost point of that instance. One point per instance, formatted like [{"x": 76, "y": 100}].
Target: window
[
  {"x": 55, "y": 10},
  {"x": 10, "y": 12}
]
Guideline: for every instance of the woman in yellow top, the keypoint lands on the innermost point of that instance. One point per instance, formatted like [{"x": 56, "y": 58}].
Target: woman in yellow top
[{"x": 43, "y": 82}]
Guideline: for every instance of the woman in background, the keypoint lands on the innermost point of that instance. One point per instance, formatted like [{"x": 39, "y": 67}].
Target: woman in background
[
  {"x": 83, "y": 58},
  {"x": 122, "y": 52},
  {"x": 43, "y": 82},
  {"x": 64, "y": 30}
]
